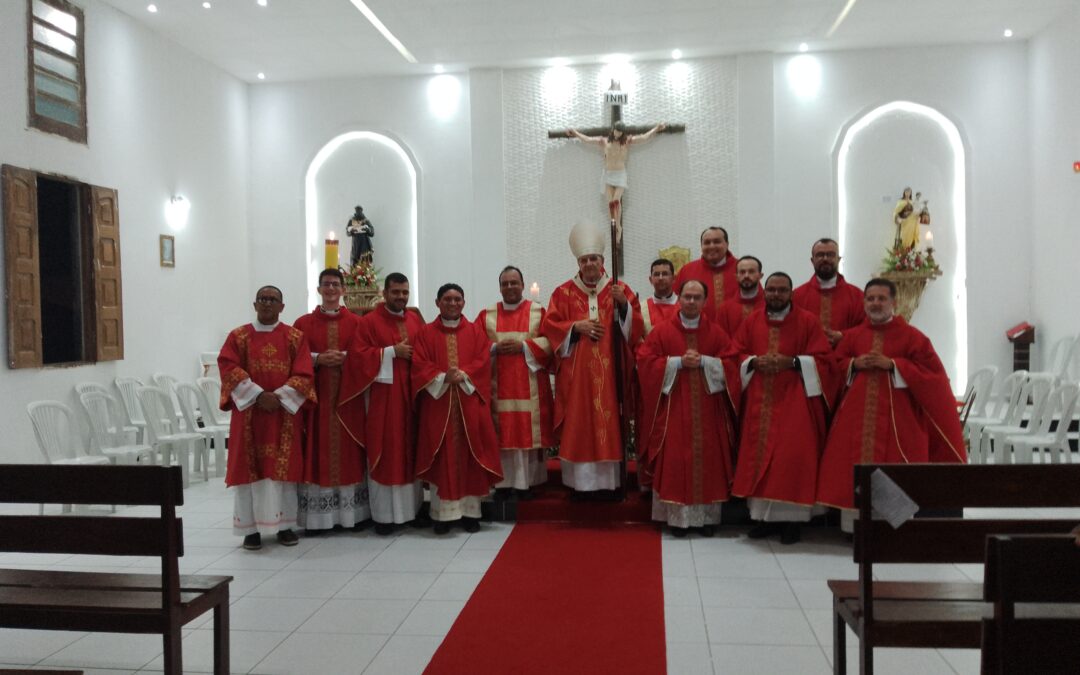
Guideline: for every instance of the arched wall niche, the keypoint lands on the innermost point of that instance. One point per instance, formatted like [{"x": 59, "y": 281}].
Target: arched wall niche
[
  {"x": 377, "y": 172},
  {"x": 880, "y": 152}
]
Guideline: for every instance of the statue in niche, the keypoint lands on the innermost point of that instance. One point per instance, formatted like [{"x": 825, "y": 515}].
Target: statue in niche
[
  {"x": 906, "y": 219},
  {"x": 360, "y": 230}
]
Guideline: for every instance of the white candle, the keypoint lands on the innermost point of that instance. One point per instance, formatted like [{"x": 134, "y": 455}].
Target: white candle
[
  {"x": 534, "y": 291},
  {"x": 929, "y": 238}
]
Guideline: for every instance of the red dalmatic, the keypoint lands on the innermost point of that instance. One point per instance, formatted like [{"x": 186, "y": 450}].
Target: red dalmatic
[
  {"x": 878, "y": 423},
  {"x": 733, "y": 312},
  {"x": 838, "y": 308},
  {"x": 655, "y": 313},
  {"x": 721, "y": 281}
]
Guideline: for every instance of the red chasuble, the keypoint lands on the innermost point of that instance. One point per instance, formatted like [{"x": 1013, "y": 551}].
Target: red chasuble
[
  {"x": 838, "y": 308},
  {"x": 733, "y": 312},
  {"x": 523, "y": 401},
  {"x": 656, "y": 313},
  {"x": 387, "y": 429},
  {"x": 586, "y": 404},
  {"x": 331, "y": 456},
  {"x": 880, "y": 424},
  {"x": 721, "y": 281},
  {"x": 690, "y": 433},
  {"x": 456, "y": 448},
  {"x": 783, "y": 431},
  {"x": 265, "y": 444}
]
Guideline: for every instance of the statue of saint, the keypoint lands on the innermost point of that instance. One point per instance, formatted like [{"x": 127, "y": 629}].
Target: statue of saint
[
  {"x": 906, "y": 220},
  {"x": 616, "y": 148},
  {"x": 360, "y": 230}
]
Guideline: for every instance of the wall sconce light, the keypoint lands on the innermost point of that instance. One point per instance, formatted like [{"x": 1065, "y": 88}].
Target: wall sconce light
[{"x": 176, "y": 212}]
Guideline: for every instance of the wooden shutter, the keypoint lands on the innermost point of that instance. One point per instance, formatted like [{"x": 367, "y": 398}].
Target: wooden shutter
[
  {"x": 108, "y": 295},
  {"x": 22, "y": 267}
]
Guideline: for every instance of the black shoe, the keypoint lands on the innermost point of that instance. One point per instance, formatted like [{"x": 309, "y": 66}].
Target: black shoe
[
  {"x": 765, "y": 530},
  {"x": 441, "y": 527},
  {"x": 471, "y": 524},
  {"x": 287, "y": 538},
  {"x": 362, "y": 525},
  {"x": 253, "y": 542},
  {"x": 678, "y": 532},
  {"x": 384, "y": 529},
  {"x": 708, "y": 530},
  {"x": 503, "y": 494},
  {"x": 524, "y": 495},
  {"x": 308, "y": 532},
  {"x": 422, "y": 519},
  {"x": 792, "y": 534}
]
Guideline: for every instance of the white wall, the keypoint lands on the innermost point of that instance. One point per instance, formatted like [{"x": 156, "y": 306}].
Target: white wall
[
  {"x": 160, "y": 122},
  {"x": 1054, "y": 71}
]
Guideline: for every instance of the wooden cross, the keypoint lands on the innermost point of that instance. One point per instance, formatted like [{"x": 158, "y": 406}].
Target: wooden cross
[{"x": 615, "y": 99}]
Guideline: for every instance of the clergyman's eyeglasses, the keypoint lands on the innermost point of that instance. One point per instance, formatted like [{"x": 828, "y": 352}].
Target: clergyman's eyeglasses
[{"x": 267, "y": 300}]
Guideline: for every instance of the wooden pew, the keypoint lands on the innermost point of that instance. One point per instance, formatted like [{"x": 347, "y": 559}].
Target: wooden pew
[
  {"x": 1032, "y": 638},
  {"x": 112, "y": 603},
  {"x": 934, "y": 614}
]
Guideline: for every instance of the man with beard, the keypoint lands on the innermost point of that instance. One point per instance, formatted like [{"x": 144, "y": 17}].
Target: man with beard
[
  {"x": 751, "y": 296},
  {"x": 457, "y": 451},
  {"x": 685, "y": 366},
  {"x": 377, "y": 405},
  {"x": 715, "y": 268},
  {"x": 520, "y": 384},
  {"x": 897, "y": 405},
  {"x": 664, "y": 303},
  {"x": 785, "y": 361},
  {"x": 836, "y": 303}
]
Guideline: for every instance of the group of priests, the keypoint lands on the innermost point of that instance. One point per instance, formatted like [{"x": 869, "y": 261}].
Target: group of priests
[{"x": 765, "y": 392}]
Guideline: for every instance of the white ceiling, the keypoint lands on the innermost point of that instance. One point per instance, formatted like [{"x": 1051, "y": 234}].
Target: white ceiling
[{"x": 317, "y": 39}]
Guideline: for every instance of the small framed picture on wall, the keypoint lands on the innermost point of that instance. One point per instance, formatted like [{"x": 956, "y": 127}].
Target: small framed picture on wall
[{"x": 167, "y": 248}]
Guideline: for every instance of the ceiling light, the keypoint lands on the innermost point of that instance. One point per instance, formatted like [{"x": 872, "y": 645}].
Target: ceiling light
[
  {"x": 152, "y": 9},
  {"x": 560, "y": 62},
  {"x": 206, "y": 5},
  {"x": 1008, "y": 32},
  {"x": 803, "y": 47},
  {"x": 840, "y": 17},
  {"x": 260, "y": 3},
  {"x": 676, "y": 54},
  {"x": 374, "y": 21},
  {"x": 439, "y": 68},
  {"x": 261, "y": 76},
  {"x": 616, "y": 58}
]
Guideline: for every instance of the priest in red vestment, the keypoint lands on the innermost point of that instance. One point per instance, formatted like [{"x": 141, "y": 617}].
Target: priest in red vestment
[
  {"x": 688, "y": 370},
  {"x": 333, "y": 491},
  {"x": 751, "y": 296},
  {"x": 521, "y": 360},
  {"x": 836, "y": 303},
  {"x": 457, "y": 451},
  {"x": 661, "y": 307},
  {"x": 715, "y": 268},
  {"x": 588, "y": 318},
  {"x": 785, "y": 369},
  {"x": 897, "y": 405},
  {"x": 376, "y": 405},
  {"x": 266, "y": 378}
]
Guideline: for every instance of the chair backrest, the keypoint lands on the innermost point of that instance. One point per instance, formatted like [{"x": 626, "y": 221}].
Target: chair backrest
[
  {"x": 55, "y": 430},
  {"x": 103, "y": 427},
  {"x": 1041, "y": 385},
  {"x": 980, "y": 385},
  {"x": 83, "y": 387},
  {"x": 1014, "y": 414},
  {"x": 211, "y": 386},
  {"x": 1068, "y": 404},
  {"x": 127, "y": 387},
  {"x": 1004, "y": 400},
  {"x": 188, "y": 396},
  {"x": 156, "y": 406},
  {"x": 1031, "y": 569}
]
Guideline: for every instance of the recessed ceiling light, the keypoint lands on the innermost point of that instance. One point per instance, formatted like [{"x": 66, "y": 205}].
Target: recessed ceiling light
[
  {"x": 152, "y": 9},
  {"x": 1008, "y": 32},
  {"x": 676, "y": 54},
  {"x": 383, "y": 30},
  {"x": 439, "y": 68},
  {"x": 560, "y": 62},
  {"x": 261, "y": 76},
  {"x": 803, "y": 47},
  {"x": 206, "y": 5},
  {"x": 260, "y": 3}
]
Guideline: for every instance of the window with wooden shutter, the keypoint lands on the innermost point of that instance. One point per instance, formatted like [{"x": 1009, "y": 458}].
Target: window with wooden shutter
[
  {"x": 22, "y": 267},
  {"x": 56, "y": 84},
  {"x": 106, "y": 274}
]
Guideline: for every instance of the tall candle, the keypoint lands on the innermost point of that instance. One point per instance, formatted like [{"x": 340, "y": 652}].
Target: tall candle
[
  {"x": 331, "y": 252},
  {"x": 534, "y": 291},
  {"x": 929, "y": 238}
]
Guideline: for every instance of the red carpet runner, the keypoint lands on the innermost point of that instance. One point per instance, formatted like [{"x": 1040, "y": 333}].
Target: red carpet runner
[{"x": 564, "y": 598}]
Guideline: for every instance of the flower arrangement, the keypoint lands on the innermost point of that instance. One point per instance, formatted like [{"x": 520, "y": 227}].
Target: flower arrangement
[
  {"x": 902, "y": 258},
  {"x": 364, "y": 276}
]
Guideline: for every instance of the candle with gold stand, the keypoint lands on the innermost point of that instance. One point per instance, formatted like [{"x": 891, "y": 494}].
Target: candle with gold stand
[{"x": 331, "y": 252}]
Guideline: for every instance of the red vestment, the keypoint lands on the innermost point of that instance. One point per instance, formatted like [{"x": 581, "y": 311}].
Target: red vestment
[
  {"x": 523, "y": 403},
  {"x": 456, "y": 447},
  {"x": 838, "y": 308},
  {"x": 265, "y": 444},
  {"x": 721, "y": 281},
  {"x": 733, "y": 312},
  {"x": 586, "y": 404},
  {"x": 387, "y": 428},
  {"x": 783, "y": 431},
  {"x": 689, "y": 433},
  {"x": 331, "y": 456},
  {"x": 656, "y": 313},
  {"x": 877, "y": 423},
  {"x": 653, "y": 314}
]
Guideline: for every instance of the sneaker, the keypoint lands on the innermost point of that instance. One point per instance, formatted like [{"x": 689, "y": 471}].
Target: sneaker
[
  {"x": 791, "y": 534},
  {"x": 253, "y": 542},
  {"x": 471, "y": 524},
  {"x": 765, "y": 530},
  {"x": 287, "y": 538}
]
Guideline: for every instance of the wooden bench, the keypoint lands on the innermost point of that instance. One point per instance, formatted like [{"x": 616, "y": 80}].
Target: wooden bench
[
  {"x": 934, "y": 614},
  {"x": 112, "y": 603},
  {"x": 1034, "y": 584}
]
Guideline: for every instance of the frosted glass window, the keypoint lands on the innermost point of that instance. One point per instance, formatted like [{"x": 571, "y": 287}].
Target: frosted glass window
[
  {"x": 57, "y": 74},
  {"x": 63, "y": 20},
  {"x": 54, "y": 39},
  {"x": 57, "y": 87}
]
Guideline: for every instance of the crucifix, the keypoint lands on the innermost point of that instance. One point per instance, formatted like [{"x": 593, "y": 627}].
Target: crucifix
[{"x": 615, "y": 141}]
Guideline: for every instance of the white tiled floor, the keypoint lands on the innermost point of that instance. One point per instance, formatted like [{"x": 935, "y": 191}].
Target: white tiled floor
[{"x": 357, "y": 603}]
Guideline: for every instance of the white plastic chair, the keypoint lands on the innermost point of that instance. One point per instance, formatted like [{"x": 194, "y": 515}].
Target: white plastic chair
[
  {"x": 997, "y": 412},
  {"x": 1062, "y": 408},
  {"x": 155, "y": 403},
  {"x": 1061, "y": 355},
  {"x": 134, "y": 411},
  {"x": 118, "y": 423},
  {"x": 211, "y": 386},
  {"x": 1037, "y": 390},
  {"x": 167, "y": 383},
  {"x": 215, "y": 434},
  {"x": 980, "y": 384},
  {"x": 108, "y": 442},
  {"x": 58, "y": 439}
]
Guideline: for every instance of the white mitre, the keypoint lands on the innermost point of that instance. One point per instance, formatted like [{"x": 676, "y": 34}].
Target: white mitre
[{"x": 586, "y": 239}]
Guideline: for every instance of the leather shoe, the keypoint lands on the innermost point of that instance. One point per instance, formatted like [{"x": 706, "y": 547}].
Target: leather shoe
[
  {"x": 253, "y": 542},
  {"x": 441, "y": 527},
  {"x": 765, "y": 530},
  {"x": 384, "y": 529},
  {"x": 471, "y": 524},
  {"x": 287, "y": 538}
]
